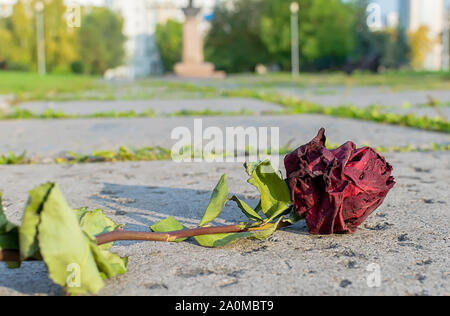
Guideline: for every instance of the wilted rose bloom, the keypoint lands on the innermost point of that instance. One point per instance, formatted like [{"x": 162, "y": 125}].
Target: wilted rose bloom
[{"x": 336, "y": 190}]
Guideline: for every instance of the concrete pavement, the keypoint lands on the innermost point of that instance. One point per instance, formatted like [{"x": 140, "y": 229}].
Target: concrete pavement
[{"x": 407, "y": 238}]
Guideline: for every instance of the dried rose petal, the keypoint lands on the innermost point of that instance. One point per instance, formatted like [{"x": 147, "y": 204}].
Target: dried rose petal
[{"x": 336, "y": 189}]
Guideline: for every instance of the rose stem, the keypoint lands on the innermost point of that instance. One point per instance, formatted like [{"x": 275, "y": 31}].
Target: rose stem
[
  {"x": 14, "y": 256},
  {"x": 172, "y": 236},
  {"x": 9, "y": 255}
]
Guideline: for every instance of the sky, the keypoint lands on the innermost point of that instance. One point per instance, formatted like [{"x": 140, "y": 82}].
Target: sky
[
  {"x": 388, "y": 5},
  {"x": 392, "y": 5}
]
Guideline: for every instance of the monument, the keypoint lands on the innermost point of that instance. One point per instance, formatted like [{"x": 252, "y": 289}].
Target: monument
[{"x": 193, "y": 64}]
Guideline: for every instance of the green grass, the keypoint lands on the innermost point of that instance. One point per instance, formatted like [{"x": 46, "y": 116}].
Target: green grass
[
  {"x": 59, "y": 87},
  {"x": 122, "y": 154},
  {"x": 163, "y": 154},
  {"x": 438, "y": 104},
  {"x": 292, "y": 106},
  {"x": 396, "y": 80},
  {"x": 24, "y": 114},
  {"x": 13, "y": 159},
  {"x": 208, "y": 112},
  {"x": 374, "y": 113},
  {"x": 31, "y": 86}
]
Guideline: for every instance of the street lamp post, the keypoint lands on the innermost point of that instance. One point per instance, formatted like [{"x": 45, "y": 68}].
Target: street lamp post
[
  {"x": 446, "y": 41},
  {"x": 40, "y": 33},
  {"x": 295, "y": 54}
]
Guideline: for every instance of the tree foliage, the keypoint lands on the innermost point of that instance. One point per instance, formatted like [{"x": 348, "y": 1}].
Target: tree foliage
[
  {"x": 95, "y": 47},
  {"x": 249, "y": 32},
  {"x": 325, "y": 31},
  {"x": 60, "y": 49},
  {"x": 101, "y": 41},
  {"x": 390, "y": 45},
  {"x": 331, "y": 33},
  {"x": 234, "y": 41},
  {"x": 169, "y": 37},
  {"x": 421, "y": 45},
  {"x": 397, "y": 52},
  {"x": 16, "y": 37}
]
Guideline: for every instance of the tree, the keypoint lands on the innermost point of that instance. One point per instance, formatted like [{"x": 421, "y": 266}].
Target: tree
[
  {"x": 169, "y": 37},
  {"x": 60, "y": 49},
  {"x": 326, "y": 33},
  {"x": 101, "y": 41},
  {"x": 16, "y": 38},
  {"x": 5, "y": 48},
  {"x": 421, "y": 45},
  {"x": 398, "y": 50},
  {"x": 234, "y": 41},
  {"x": 389, "y": 46}
]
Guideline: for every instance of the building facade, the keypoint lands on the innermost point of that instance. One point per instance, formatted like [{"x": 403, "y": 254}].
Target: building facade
[
  {"x": 430, "y": 13},
  {"x": 140, "y": 20},
  {"x": 446, "y": 42}
]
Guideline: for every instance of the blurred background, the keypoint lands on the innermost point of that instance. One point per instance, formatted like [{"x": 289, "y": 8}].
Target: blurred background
[
  {"x": 246, "y": 62},
  {"x": 145, "y": 36}
]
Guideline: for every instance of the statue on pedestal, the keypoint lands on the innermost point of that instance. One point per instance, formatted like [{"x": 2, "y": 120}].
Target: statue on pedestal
[{"x": 193, "y": 64}]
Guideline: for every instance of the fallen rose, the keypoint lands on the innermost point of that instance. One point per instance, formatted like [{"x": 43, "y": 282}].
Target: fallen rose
[{"x": 336, "y": 190}]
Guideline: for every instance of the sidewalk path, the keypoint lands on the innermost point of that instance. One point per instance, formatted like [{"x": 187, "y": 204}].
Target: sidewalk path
[
  {"x": 52, "y": 137},
  {"x": 407, "y": 237},
  {"x": 161, "y": 107}
]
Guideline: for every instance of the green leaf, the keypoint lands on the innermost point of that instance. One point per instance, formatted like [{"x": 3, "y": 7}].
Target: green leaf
[
  {"x": 169, "y": 224},
  {"x": 246, "y": 209},
  {"x": 258, "y": 207},
  {"x": 9, "y": 240},
  {"x": 95, "y": 223},
  {"x": 217, "y": 203},
  {"x": 5, "y": 225},
  {"x": 275, "y": 195},
  {"x": 220, "y": 240},
  {"x": 65, "y": 239},
  {"x": 9, "y": 235},
  {"x": 79, "y": 213},
  {"x": 65, "y": 248},
  {"x": 109, "y": 264},
  {"x": 28, "y": 231},
  {"x": 264, "y": 234},
  {"x": 293, "y": 216},
  {"x": 13, "y": 265}
]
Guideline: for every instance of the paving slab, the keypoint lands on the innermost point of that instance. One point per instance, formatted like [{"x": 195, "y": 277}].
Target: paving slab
[
  {"x": 407, "y": 238},
  {"x": 391, "y": 101},
  {"x": 336, "y": 95},
  {"x": 53, "y": 137},
  {"x": 367, "y": 96},
  {"x": 443, "y": 111},
  {"x": 160, "y": 107}
]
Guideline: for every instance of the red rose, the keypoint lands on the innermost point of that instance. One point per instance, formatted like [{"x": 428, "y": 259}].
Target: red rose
[{"x": 336, "y": 189}]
